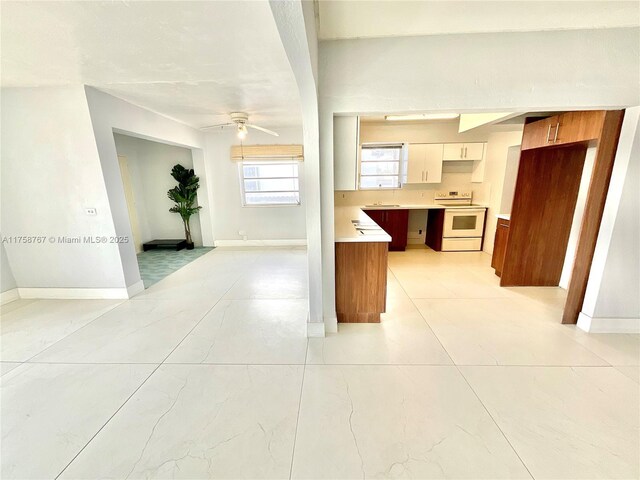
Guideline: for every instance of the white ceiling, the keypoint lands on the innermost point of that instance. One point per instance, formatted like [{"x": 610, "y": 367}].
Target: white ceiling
[
  {"x": 192, "y": 61},
  {"x": 364, "y": 19}
]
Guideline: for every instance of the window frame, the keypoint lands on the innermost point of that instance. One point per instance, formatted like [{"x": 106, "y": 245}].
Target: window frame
[
  {"x": 275, "y": 161},
  {"x": 401, "y": 162}
]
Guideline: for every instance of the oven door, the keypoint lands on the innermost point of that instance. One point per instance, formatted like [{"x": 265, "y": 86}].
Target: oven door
[{"x": 463, "y": 222}]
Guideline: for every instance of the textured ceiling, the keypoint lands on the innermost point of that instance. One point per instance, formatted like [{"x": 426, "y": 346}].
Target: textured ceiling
[{"x": 192, "y": 61}]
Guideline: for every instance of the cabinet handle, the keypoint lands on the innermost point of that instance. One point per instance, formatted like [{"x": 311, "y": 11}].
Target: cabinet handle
[
  {"x": 465, "y": 152},
  {"x": 423, "y": 175},
  {"x": 555, "y": 137},
  {"x": 548, "y": 133},
  {"x": 426, "y": 176},
  {"x": 461, "y": 152}
]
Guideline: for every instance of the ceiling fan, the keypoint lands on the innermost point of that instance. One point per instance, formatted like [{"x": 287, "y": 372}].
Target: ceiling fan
[{"x": 240, "y": 120}]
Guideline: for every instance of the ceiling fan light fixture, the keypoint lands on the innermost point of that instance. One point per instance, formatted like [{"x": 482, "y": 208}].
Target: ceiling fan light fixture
[{"x": 242, "y": 131}]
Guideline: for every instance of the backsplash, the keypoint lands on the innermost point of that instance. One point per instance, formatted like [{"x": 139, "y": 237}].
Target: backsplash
[{"x": 416, "y": 194}]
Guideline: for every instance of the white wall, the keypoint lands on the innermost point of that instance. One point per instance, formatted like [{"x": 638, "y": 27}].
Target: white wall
[
  {"x": 259, "y": 223},
  {"x": 612, "y": 299},
  {"x": 150, "y": 165},
  {"x": 109, "y": 114},
  {"x": 7, "y": 281},
  {"x": 469, "y": 73},
  {"x": 50, "y": 174},
  {"x": 499, "y": 153}
]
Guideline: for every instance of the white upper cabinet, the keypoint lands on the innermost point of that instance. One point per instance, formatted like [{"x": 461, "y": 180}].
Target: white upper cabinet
[
  {"x": 424, "y": 163},
  {"x": 346, "y": 137},
  {"x": 463, "y": 151}
]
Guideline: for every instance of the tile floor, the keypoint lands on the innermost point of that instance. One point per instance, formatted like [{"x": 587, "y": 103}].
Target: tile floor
[
  {"x": 208, "y": 374},
  {"x": 154, "y": 265}
]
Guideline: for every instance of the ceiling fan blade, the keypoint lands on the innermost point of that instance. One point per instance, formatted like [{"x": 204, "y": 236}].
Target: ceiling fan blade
[
  {"x": 262, "y": 129},
  {"x": 220, "y": 125}
]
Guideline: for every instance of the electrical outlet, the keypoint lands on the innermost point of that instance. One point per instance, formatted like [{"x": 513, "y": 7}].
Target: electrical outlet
[
  {"x": 420, "y": 232},
  {"x": 91, "y": 211}
]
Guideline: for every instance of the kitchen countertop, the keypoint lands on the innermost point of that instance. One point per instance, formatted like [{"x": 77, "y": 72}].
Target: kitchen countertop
[
  {"x": 504, "y": 216},
  {"x": 345, "y": 230},
  {"x": 426, "y": 206}
]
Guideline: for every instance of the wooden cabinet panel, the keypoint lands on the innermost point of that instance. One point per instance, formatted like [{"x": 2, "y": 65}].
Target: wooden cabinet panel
[
  {"x": 435, "y": 226},
  {"x": 396, "y": 223},
  {"x": 570, "y": 127},
  {"x": 361, "y": 281},
  {"x": 542, "y": 214},
  {"x": 500, "y": 245}
]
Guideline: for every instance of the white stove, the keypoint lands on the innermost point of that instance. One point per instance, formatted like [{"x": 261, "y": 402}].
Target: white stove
[{"x": 463, "y": 227}]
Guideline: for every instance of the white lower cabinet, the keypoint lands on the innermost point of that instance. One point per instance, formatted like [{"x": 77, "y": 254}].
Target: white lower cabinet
[{"x": 424, "y": 163}]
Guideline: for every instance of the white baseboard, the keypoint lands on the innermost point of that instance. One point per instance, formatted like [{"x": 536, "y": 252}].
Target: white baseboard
[
  {"x": 135, "y": 289},
  {"x": 608, "y": 325},
  {"x": 9, "y": 296},
  {"x": 331, "y": 324},
  {"x": 261, "y": 243},
  {"x": 315, "y": 329},
  {"x": 74, "y": 293}
]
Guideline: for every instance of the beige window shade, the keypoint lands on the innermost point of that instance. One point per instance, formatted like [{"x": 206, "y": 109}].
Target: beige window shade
[{"x": 256, "y": 153}]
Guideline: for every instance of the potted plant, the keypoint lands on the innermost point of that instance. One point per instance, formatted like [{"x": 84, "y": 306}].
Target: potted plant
[{"x": 184, "y": 195}]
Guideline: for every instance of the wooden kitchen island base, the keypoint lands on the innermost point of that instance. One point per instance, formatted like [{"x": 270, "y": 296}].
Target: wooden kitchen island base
[{"x": 361, "y": 281}]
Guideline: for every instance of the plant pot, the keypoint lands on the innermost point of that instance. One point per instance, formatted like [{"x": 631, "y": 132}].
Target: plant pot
[{"x": 190, "y": 246}]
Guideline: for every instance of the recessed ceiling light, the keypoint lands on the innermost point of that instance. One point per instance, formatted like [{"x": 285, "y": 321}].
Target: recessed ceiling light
[{"x": 423, "y": 116}]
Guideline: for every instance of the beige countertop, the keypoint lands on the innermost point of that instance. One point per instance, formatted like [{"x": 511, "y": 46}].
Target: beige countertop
[{"x": 504, "y": 216}]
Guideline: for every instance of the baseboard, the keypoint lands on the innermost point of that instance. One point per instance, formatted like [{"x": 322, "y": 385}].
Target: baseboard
[
  {"x": 9, "y": 296},
  {"x": 261, "y": 243},
  {"x": 331, "y": 324},
  {"x": 608, "y": 325},
  {"x": 315, "y": 329},
  {"x": 135, "y": 289},
  {"x": 74, "y": 293}
]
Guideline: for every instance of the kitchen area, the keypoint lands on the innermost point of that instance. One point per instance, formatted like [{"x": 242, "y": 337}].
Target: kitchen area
[{"x": 429, "y": 183}]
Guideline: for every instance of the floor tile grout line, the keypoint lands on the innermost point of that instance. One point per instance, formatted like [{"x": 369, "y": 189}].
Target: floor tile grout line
[
  {"x": 77, "y": 330},
  {"x": 495, "y": 422},
  {"x": 223, "y": 364},
  {"x": 108, "y": 420},
  {"x": 295, "y": 434},
  {"x": 145, "y": 381},
  {"x": 207, "y": 313},
  {"x": 423, "y": 319}
]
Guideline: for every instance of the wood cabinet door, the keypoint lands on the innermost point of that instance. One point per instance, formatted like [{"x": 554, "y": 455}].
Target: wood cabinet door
[
  {"x": 539, "y": 133},
  {"x": 433, "y": 163},
  {"x": 453, "y": 151},
  {"x": 500, "y": 245},
  {"x": 572, "y": 127},
  {"x": 415, "y": 164},
  {"x": 398, "y": 226},
  {"x": 378, "y": 216}
]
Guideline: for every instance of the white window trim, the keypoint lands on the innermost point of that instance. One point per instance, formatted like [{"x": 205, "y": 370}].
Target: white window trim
[
  {"x": 266, "y": 205},
  {"x": 403, "y": 154}
]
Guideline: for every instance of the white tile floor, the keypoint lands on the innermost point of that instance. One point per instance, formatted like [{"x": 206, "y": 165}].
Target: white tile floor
[{"x": 208, "y": 374}]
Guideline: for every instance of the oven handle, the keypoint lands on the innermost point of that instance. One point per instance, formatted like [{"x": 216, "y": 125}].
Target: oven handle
[{"x": 465, "y": 210}]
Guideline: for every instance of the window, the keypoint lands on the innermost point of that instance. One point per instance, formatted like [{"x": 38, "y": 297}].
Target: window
[
  {"x": 380, "y": 166},
  {"x": 270, "y": 183}
]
